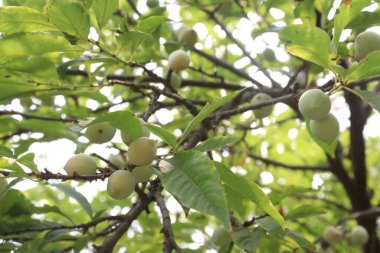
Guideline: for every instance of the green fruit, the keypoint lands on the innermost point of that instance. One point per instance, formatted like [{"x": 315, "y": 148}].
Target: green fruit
[
  {"x": 366, "y": 42},
  {"x": 26, "y": 102},
  {"x": 314, "y": 104},
  {"x": 142, "y": 151},
  {"x": 144, "y": 132},
  {"x": 188, "y": 36},
  {"x": 3, "y": 184},
  {"x": 81, "y": 164},
  {"x": 118, "y": 161},
  {"x": 332, "y": 235},
  {"x": 326, "y": 129},
  {"x": 121, "y": 184},
  {"x": 359, "y": 236},
  {"x": 178, "y": 60},
  {"x": 175, "y": 80},
  {"x": 152, "y": 3},
  {"x": 142, "y": 174},
  {"x": 263, "y": 111},
  {"x": 221, "y": 237},
  {"x": 100, "y": 132},
  {"x": 269, "y": 55}
]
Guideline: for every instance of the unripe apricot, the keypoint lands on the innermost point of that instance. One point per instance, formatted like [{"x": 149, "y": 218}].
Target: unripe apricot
[
  {"x": 121, "y": 184},
  {"x": 359, "y": 236},
  {"x": 366, "y": 42},
  {"x": 144, "y": 132},
  {"x": 326, "y": 129},
  {"x": 178, "y": 60},
  {"x": 142, "y": 151},
  {"x": 269, "y": 55},
  {"x": 263, "y": 111},
  {"x": 314, "y": 104},
  {"x": 81, "y": 164},
  {"x": 187, "y": 36},
  {"x": 100, "y": 132},
  {"x": 117, "y": 160},
  {"x": 175, "y": 80},
  {"x": 332, "y": 235},
  {"x": 152, "y": 3},
  {"x": 221, "y": 237},
  {"x": 142, "y": 174},
  {"x": 3, "y": 184}
]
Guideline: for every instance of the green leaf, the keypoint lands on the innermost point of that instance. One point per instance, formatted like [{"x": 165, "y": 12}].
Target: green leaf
[
  {"x": 370, "y": 66},
  {"x": 103, "y": 10},
  {"x": 216, "y": 142},
  {"x": 370, "y": 97},
  {"x": 343, "y": 16},
  {"x": 301, "y": 241},
  {"x": 52, "y": 236},
  {"x": 363, "y": 20},
  {"x": 28, "y": 161},
  {"x": 195, "y": 182},
  {"x": 235, "y": 201},
  {"x": 28, "y": 44},
  {"x": 14, "y": 19},
  {"x": 70, "y": 17},
  {"x": 166, "y": 136},
  {"x": 69, "y": 191},
  {"x": 151, "y": 24},
  {"x": 248, "y": 239},
  {"x": 328, "y": 148},
  {"x": 250, "y": 190},
  {"x": 130, "y": 41},
  {"x": 272, "y": 227},
  {"x": 6, "y": 152},
  {"x": 309, "y": 43},
  {"x": 122, "y": 120},
  {"x": 303, "y": 211},
  {"x": 306, "y": 12},
  {"x": 277, "y": 196},
  {"x": 204, "y": 113}
]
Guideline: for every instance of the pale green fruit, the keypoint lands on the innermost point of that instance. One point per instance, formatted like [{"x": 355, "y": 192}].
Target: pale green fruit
[
  {"x": 144, "y": 132},
  {"x": 263, "y": 111},
  {"x": 366, "y": 42},
  {"x": 142, "y": 174},
  {"x": 326, "y": 129},
  {"x": 269, "y": 55},
  {"x": 332, "y": 235},
  {"x": 178, "y": 60},
  {"x": 175, "y": 80},
  {"x": 117, "y": 160},
  {"x": 359, "y": 236},
  {"x": 152, "y": 3},
  {"x": 188, "y": 36},
  {"x": 100, "y": 132},
  {"x": 26, "y": 102},
  {"x": 314, "y": 104},
  {"x": 81, "y": 164},
  {"x": 121, "y": 184},
  {"x": 221, "y": 237},
  {"x": 142, "y": 151},
  {"x": 3, "y": 184}
]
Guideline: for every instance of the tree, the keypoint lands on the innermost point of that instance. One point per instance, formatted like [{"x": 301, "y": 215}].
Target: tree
[{"x": 221, "y": 156}]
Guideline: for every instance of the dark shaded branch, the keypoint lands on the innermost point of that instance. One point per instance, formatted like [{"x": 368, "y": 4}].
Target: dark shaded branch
[{"x": 31, "y": 116}]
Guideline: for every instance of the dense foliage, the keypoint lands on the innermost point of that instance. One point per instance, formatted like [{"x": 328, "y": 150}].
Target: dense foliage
[{"x": 194, "y": 104}]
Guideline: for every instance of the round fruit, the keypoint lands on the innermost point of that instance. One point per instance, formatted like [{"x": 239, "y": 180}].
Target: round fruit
[
  {"x": 178, "y": 60},
  {"x": 332, "y": 235},
  {"x": 142, "y": 151},
  {"x": 188, "y": 36},
  {"x": 142, "y": 174},
  {"x": 175, "y": 80},
  {"x": 117, "y": 160},
  {"x": 3, "y": 184},
  {"x": 152, "y": 3},
  {"x": 26, "y": 102},
  {"x": 314, "y": 104},
  {"x": 144, "y": 132},
  {"x": 269, "y": 55},
  {"x": 366, "y": 42},
  {"x": 221, "y": 237},
  {"x": 121, "y": 184},
  {"x": 100, "y": 132},
  {"x": 81, "y": 164},
  {"x": 326, "y": 129},
  {"x": 359, "y": 236},
  {"x": 263, "y": 111}
]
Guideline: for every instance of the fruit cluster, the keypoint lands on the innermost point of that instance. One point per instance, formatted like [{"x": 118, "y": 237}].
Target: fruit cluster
[
  {"x": 315, "y": 105},
  {"x": 121, "y": 183}
]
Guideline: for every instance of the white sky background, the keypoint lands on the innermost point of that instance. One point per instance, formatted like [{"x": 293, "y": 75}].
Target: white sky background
[{"x": 53, "y": 155}]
